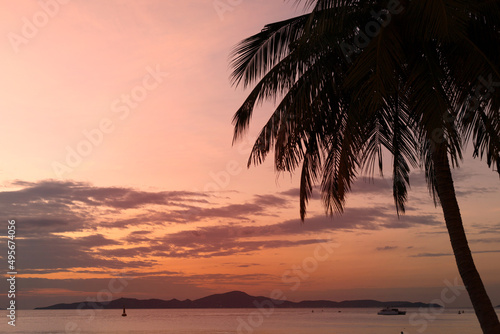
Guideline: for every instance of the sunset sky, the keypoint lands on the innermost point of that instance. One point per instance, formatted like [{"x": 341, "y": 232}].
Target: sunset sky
[{"x": 117, "y": 158}]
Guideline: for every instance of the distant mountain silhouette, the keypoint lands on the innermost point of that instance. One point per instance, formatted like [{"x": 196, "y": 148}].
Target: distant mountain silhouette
[{"x": 233, "y": 299}]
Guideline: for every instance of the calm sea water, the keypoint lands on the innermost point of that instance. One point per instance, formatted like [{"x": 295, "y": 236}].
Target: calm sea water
[{"x": 225, "y": 321}]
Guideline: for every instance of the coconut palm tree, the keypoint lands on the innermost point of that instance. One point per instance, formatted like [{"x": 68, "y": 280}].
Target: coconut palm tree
[{"x": 419, "y": 79}]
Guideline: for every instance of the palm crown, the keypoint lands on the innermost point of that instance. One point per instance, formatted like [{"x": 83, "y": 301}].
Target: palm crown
[
  {"x": 418, "y": 78},
  {"x": 355, "y": 77}
]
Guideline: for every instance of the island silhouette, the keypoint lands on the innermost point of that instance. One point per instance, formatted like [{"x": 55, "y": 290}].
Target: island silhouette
[{"x": 233, "y": 299}]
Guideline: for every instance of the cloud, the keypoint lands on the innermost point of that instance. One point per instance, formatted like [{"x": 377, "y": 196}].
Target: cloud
[
  {"x": 202, "y": 243},
  {"x": 386, "y": 248},
  {"x": 450, "y": 254},
  {"x": 406, "y": 221},
  {"x": 485, "y": 240},
  {"x": 271, "y": 200},
  {"x": 431, "y": 254},
  {"x": 59, "y": 253},
  {"x": 232, "y": 239},
  {"x": 52, "y": 206},
  {"x": 487, "y": 229},
  {"x": 70, "y": 192},
  {"x": 474, "y": 191},
  {"x": 45, "y": 210}
]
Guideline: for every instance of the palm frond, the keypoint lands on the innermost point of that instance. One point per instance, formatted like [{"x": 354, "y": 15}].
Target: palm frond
[
  {"x": 342, "y": 161},
  {"x": 254, "y": 56},
  {"x": 311, "y": 168}
]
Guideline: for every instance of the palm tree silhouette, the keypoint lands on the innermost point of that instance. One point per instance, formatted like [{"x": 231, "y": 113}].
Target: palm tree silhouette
[{"x": 353, "y": 78}]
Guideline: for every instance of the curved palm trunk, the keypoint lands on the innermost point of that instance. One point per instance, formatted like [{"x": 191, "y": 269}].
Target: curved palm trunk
[{"x": 482, "y": 305}]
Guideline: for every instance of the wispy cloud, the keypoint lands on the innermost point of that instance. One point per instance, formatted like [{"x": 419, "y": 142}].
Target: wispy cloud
[
  {"x": 386, "y": 248},
  {"x": 450, "y": 254}
]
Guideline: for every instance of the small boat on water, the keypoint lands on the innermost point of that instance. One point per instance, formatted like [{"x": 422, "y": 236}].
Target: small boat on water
[
  {"x": 391, "y": 311},
  {"x": 124, "y": 314}
]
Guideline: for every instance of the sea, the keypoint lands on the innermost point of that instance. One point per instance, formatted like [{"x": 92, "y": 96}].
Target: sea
[{"x": 243, "y": 321}]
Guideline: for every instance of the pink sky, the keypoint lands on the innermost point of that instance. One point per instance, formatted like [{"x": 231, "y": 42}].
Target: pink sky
[{"x": 163, "y": 196}]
